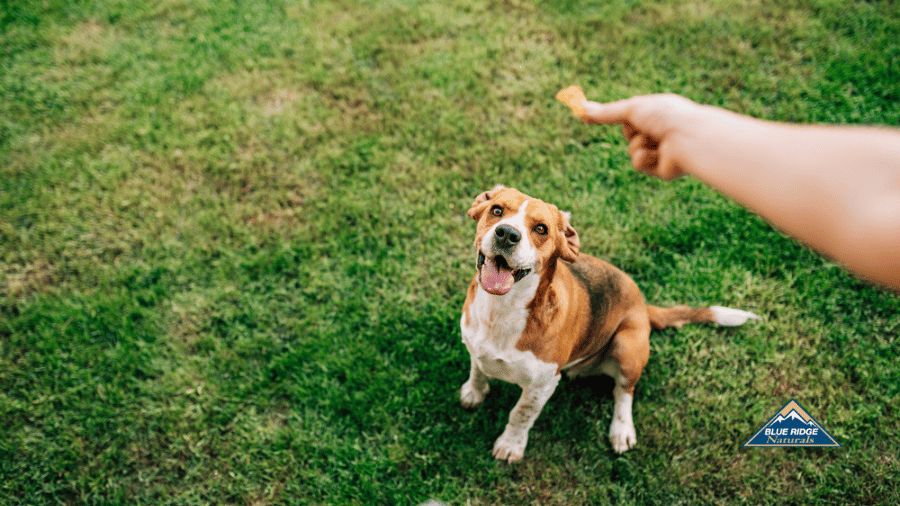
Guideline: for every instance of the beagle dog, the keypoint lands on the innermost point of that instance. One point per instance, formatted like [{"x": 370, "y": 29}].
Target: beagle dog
[{"x": 537, "y": 307}]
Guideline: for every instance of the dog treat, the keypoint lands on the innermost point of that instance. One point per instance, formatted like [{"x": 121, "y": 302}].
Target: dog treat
[{"x": 574, "y": 98}]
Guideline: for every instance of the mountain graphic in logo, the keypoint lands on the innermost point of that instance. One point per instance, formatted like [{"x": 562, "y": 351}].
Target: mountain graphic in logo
[
  {"x": 793, "y": 416},
  {"x": 792, "y": 426}
]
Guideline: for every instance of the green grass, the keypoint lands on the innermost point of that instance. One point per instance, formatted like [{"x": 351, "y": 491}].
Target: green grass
[{"x": 233, "y": 251}]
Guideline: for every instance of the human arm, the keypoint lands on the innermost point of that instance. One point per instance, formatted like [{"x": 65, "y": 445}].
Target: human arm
[{"x": 835, "y": 188}]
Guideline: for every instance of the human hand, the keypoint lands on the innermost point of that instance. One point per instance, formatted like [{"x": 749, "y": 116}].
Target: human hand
[{"x": 653, "y": 125}]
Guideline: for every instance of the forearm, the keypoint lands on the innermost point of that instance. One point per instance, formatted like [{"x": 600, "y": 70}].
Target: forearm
[{"x": 836, "y": 189}]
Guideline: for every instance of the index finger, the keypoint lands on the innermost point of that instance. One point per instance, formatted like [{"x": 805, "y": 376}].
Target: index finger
[{"x": 609, "y": 113}]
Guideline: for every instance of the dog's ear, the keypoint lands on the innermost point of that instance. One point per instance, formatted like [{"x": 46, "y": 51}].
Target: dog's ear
[
  {"x": 569, "y": 249},
  {"x": 480, "y": 204}
]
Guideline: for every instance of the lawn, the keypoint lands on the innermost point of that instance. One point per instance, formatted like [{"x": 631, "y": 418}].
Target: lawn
[{"x": 234, "y": 251}]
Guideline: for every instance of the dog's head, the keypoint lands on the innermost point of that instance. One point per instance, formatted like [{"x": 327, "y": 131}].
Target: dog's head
[{"x": 518, "y": 236}]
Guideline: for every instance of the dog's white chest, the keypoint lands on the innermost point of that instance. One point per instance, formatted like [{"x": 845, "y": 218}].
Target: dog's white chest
[{"x": 494, "y": 328}]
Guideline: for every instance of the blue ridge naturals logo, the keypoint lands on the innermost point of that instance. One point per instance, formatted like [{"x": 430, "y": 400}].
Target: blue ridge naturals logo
[{"x": 792, "y": 426}]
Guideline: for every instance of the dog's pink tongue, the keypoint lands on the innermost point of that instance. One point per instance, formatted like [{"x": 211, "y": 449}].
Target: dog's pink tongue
[{"x": 495, "y": 280}]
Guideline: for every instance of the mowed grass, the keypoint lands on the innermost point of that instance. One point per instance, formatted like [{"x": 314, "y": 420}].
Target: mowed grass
[{"x": 233, "y": 252}]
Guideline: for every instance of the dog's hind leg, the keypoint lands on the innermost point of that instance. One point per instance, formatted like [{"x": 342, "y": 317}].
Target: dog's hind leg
[{"x": 626, "y": 360}]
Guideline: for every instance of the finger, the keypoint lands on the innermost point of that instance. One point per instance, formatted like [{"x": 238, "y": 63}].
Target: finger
[
  {"x": 636, "y": 143},
  {"x": 638, "y": 159},
  {"x": 608, "y": 113},
  {"x": 637, "y": 150},
  {"x": 646, "y": 160},
  {"x": 628, "y": 130},
  {"x": 644, "y": 153},
  {"x": 649, "y": 161},
  {"x": 667, "y": 169}
]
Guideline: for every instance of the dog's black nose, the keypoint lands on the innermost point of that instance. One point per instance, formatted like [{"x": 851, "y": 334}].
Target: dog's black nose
[{"x": 507, "y": 236}]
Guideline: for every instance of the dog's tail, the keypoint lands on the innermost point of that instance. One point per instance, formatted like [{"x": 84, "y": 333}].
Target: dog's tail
[{"x": 662, "y": 317}]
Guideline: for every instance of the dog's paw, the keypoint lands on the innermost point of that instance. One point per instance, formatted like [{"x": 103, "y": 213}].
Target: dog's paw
[
  {"x": 510, "y": 446},
  {"x": 622, "y": 436},
  {"x": 470, "y": 396}
]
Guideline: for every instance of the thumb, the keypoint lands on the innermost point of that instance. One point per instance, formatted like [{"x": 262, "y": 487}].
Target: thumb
[{"x": 608, "y": 113}]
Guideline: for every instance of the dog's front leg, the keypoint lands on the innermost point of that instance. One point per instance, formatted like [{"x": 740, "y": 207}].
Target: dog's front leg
[
  {"x": 474, "y": 391},
  {"x": 510, "y": 446}
]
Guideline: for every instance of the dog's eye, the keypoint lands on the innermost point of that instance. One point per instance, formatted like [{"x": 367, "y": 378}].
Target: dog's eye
[
  {"x": 497, "y": 211},
  {"x": 541, "y": 229}
]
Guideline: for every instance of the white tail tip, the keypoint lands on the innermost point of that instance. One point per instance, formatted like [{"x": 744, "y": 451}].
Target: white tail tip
[{"x": 731, "y": 317}]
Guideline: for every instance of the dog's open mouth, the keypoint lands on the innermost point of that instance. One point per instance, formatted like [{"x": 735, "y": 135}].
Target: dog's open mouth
[{"x": 496, "y": 276}]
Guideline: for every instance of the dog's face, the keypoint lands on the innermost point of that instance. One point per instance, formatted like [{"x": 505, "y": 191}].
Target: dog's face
[{"x": 518, "y": 236}]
